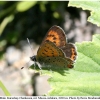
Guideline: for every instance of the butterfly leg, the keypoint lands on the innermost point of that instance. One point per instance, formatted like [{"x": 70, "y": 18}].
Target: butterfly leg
[
  {"x": 35, "y": 64},
  {"x": 40, "y": 67}
]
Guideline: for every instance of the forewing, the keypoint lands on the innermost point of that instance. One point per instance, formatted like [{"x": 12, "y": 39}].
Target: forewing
[
  {"x": 55, "y": 35},
  {"x": 49, "y": 49}
]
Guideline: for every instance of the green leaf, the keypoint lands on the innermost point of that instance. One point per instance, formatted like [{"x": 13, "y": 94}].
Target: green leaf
[
  {"x": 25, "y": 5},
  {"x": 93, "y": 6},
  {"x": 4, "y": 23},
  {"x": 84, "y": 78},
  {"x": 3, "y": 2},
  {"x": 96, "y": 39},
  {"x": 4, "y": 89}
]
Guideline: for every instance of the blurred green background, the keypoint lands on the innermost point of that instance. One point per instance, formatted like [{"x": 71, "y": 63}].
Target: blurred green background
[{"x": 20, "y": 20}]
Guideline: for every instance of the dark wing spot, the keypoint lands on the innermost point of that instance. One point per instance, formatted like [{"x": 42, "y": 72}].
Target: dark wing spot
[
  {"x": 45, "y": 50},
  {"x": 54, "y": 42},
  {"x": 54, "y": 38},
  {"x": 47, "y": 40},
  {"x": 52, "y": 35},
  {"x": 48, "y": 47}
]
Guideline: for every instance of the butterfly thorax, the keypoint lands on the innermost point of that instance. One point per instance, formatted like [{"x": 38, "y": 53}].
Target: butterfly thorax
[{"x": 33, "y": 58}]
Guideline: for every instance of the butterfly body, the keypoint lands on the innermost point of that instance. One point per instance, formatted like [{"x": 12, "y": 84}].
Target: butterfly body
[{"x": 55, "y": 51}]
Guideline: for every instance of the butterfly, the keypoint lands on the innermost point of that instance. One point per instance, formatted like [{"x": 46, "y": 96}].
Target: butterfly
[{"x": 55, "y": 51}]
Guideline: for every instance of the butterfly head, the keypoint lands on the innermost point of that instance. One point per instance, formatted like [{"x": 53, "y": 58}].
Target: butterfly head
[{"x": 33, "y": 58}]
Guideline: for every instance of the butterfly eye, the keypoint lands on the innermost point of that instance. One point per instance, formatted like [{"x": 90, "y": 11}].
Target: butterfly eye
[{"x": 33, "y": 58}]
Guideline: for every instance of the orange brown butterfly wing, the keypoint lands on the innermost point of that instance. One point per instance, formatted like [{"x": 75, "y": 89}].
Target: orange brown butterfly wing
[
  {"x": 55, "y": 35},
  {"x": 49, "y": 49},
  {"x": 70, "y": 51},
  {"x": 55, "y": 45},
  {"x": 60, "y": 62},
  {"x": 52, "y": 55}
]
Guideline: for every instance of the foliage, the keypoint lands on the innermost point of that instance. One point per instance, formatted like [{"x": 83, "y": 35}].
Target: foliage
[
  {"x": 83, "y": 80},
  {"x": 93, "y": 6},
  {"x": 4, "y": 89},
  {"x": 32, "y": 19}
]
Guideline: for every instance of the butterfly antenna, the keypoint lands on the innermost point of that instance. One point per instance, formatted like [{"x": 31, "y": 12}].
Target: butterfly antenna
[
  {"x": 32, "y": 50},
  {"x": 29, "y": 60},
  {"x": 29, "y": 44}
]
